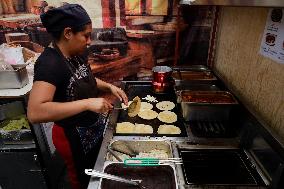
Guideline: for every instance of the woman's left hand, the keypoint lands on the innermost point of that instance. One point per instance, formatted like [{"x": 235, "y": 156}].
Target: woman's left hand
[{"x": 119, "y": 93}]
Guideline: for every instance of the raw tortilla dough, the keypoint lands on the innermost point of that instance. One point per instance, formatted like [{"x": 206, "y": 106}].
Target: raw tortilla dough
[
  {"x": 148, "y": 114},
  {"x": 141, "y": 128},
  {"x": 165, "y": 105},
  {"x": 167, "y": 117},
  {"x": 125, "y": 127},
  {"x": 144, "y": 105},
  {"x": 168, "y": 129}
]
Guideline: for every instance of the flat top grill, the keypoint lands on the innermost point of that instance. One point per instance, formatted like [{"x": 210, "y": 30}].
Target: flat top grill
[
  {"x": 221, "y": 167},
  {"x": 213, "y": 129},
  {"x": 142, "y": 89}
]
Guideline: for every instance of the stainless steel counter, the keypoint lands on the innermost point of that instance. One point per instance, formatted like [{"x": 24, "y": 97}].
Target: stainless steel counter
[
  {"x": 244, "y": 141},
  {"x": 190, "y": 142}
]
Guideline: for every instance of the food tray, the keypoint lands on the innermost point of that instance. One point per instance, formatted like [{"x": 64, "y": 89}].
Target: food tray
[
  {"x": 142, "y": 89},
  {"x": 206, "y": 105},
  {"x": 198, "y": 77},
  {"x": 196, "y": 87},
  {"x": 13, "y": 79},
  {"x": 135, "y": 147},
  {"x": 158, "y": 177},
  {"x": 191, "y": 68},
  {"x": 218, "y": 167}
]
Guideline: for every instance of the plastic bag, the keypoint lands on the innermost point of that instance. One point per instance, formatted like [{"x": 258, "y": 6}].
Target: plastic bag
[
  {"x": 12, "y": 54},
  {"x": 3, "y": 65}
]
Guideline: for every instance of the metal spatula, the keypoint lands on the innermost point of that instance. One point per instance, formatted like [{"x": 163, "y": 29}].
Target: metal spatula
[{"x": 133, "y": 108}]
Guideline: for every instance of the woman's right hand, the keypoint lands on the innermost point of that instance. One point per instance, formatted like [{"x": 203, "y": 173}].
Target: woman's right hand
[{"x": 99, "y": 105}]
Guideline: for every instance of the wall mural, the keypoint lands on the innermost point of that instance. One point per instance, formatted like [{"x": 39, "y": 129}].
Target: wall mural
[{"x": 129, "y": 36}]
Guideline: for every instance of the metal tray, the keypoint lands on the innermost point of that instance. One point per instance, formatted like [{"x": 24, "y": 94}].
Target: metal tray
[
  {"x": 191, "y": 68},
  {"x": 135, "y": 147},
  {"x": 13, "y": 79},
  {"x": 142, "y": 89},
  {"x": 230, "y": 167},
  {"x": 194, "y": 77},
  {"x": 207, "y": 111},
  {"x": 158, "y": 177},
  {"x": 195, "y": 87}
]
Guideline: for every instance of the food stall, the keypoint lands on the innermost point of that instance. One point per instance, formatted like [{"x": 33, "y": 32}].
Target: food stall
[
  {"x": 215, "y": 123},
  {"x": 221, "y": 140}
]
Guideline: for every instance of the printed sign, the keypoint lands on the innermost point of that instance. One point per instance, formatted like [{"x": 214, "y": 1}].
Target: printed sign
[{"x": 272, "y": 45}]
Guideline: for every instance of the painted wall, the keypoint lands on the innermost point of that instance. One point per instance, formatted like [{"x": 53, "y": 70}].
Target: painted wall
[
  {"x": 93, "y": 7},
  {"x": 256, "y": 80}
]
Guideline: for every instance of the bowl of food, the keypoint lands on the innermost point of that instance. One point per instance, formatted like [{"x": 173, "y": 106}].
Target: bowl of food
[{"x": 107, "y": 54}]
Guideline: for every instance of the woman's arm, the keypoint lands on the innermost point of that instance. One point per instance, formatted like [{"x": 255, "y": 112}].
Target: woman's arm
[
  {"x": 118, "y": 92},
  {"x": 41, "y": 107}
]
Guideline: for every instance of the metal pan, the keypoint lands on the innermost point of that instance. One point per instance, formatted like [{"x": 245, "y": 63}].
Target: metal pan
[{"x": 206, "y": 105}]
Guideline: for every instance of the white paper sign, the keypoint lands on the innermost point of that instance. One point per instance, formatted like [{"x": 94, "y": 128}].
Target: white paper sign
[{"x": 272, "y": 44}]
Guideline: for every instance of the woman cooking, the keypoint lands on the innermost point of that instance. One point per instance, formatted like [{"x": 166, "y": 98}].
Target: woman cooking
[{"x": 65, "y": 92}]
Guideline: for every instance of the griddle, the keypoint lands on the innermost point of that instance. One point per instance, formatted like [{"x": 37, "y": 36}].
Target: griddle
[
  {"x": 219, "y": 167},
  {"x": 213, "y": 129},
  {"x": 142, "y": 89}
]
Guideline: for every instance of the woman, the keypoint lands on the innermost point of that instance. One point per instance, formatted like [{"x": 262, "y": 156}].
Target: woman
[{"x": 66, "y": 92}]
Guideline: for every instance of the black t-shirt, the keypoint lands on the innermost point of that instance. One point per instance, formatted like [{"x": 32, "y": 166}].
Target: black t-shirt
[{"x": 73, "y": 80}]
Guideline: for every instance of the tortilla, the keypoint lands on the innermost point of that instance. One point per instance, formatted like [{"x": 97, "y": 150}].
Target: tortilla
[
  {"x": 141, "y": 128},
  {"x": 125, "y": 127},
  {"x": 168, "y": 129},
  {"x": 148, "y": 114},
  {"x": 146, "y": 106},
  {"x": 134, "y": 107},
  {"x": 165, "y": 105},
  {"x": 167, "y": 117}
]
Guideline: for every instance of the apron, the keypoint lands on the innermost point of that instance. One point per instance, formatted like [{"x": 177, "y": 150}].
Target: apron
[
  {"x": 84, "y": 141},
  {"x": 85, "y": 88}
]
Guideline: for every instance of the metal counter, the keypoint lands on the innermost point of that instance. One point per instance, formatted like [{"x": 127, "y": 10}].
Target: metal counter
[{"x": 249, "y": 140}]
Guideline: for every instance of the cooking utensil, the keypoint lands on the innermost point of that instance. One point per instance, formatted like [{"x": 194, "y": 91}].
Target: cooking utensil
[
  {"x": 133, "y": 108},
  {"x": 150, "y": 161},
  {"x": 114, "y": 178},
  {"x": 123, "y": 152},
  {"x": 114, "y": 154}
]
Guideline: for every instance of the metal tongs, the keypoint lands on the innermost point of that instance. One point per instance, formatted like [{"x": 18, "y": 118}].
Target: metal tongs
[
  {"x": 151, "y": 161},
  {"x": 114, "y": 178}
]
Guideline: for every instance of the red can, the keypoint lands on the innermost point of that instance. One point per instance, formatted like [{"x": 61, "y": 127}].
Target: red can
[{"x": 162, "y": 79}]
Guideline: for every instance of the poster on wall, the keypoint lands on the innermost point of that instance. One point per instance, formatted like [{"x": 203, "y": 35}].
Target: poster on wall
[{"x": 272, "y": 45}]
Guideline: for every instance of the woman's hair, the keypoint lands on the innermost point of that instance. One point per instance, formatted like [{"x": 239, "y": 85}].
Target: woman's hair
[{"x": 57, "y": 35}]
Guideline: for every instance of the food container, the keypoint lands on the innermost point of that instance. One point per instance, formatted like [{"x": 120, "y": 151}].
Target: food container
[
  {"x": 162, "y": 80},
  {"x": 158, "y": 177},
  {"x": 138, "y": 146},
  {"x": 196, "y": 87},
  {"x": 13, "y": 79},
  {"x": 14, "y": 127},
  {"x": 206, "y": 105},
  {"x": 197, "y": 77},
  {"x": 191, "y": 68}
]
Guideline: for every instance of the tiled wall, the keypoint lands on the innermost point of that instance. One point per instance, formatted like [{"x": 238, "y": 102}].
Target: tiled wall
[{"x": 257, "y": 80}]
